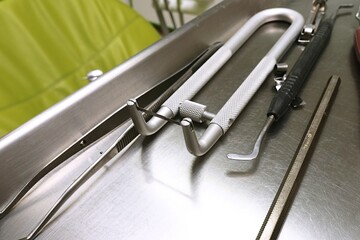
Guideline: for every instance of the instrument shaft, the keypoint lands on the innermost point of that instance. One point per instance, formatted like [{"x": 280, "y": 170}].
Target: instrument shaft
[{"x": 281, "y": 203}]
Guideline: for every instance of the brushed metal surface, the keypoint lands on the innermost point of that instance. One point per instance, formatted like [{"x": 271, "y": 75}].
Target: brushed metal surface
[{"x": 157, "y": 190}]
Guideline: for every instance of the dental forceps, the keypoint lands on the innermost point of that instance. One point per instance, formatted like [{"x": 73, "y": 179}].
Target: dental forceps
[
  {"x": 119, "y": 117},
  {"x": 122, "y": 140},
  {"x": 232, "y": 108}
]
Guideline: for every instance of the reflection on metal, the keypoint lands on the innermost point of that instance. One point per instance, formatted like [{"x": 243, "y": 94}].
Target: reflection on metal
[
  {"x": 316, "y": 14},
  {"x": 93, "y": 75},
  {"x": 277, "y": 211}
]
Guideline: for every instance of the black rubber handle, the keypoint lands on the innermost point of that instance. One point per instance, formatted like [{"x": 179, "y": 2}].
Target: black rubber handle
[{"x": 301, "y": 70}]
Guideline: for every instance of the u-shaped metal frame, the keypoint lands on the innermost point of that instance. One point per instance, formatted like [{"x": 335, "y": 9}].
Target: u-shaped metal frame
[{"x": 232, "y": 108}]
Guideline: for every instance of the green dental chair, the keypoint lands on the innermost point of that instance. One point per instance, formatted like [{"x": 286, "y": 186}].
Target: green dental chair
[{"x": 47, "y": 47}]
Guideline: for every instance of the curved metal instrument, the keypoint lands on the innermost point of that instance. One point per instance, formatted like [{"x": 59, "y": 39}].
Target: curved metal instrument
[
  {"x": 229, "y": 112},
  {"x": 167, "y": 87},
  {"x": 296, "y": 78},
  {"x": 121, "y": 141}
]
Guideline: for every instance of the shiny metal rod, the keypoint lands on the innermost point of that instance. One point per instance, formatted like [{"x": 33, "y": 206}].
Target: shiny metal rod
[
  {"x": 277, "y": 212},
  {"x": 257, "y": 146}
]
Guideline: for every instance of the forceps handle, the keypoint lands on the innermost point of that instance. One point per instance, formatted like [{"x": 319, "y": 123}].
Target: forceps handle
[{"x": 301, "y": 70}]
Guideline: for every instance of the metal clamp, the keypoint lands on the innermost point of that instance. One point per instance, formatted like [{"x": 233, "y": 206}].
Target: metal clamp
[
  {"x": 226, "y": 116},
  {"x": 317, "y": 12},
  {"x": 195, "y": 111},
  {"x": 280, "y": 70}
]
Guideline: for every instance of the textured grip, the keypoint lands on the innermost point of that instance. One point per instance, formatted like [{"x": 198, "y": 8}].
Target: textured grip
[
  {"x": 199, "y": 79},
  {"x": 192, "y": 110},
  {"x": 301, "y": 70},
  {"x": 237, "y": 102}
]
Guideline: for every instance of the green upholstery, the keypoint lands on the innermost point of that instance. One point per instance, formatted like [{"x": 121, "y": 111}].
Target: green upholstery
[{"x": 47, "y": 47}]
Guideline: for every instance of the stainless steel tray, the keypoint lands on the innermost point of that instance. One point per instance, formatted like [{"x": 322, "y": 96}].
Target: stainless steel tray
[{"x": 156, "y": 189}]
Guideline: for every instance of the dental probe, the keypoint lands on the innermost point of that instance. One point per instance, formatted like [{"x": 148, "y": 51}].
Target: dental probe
[
  {"x": 283, "y": 99},
  {"x": 282, "y": 201}
]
